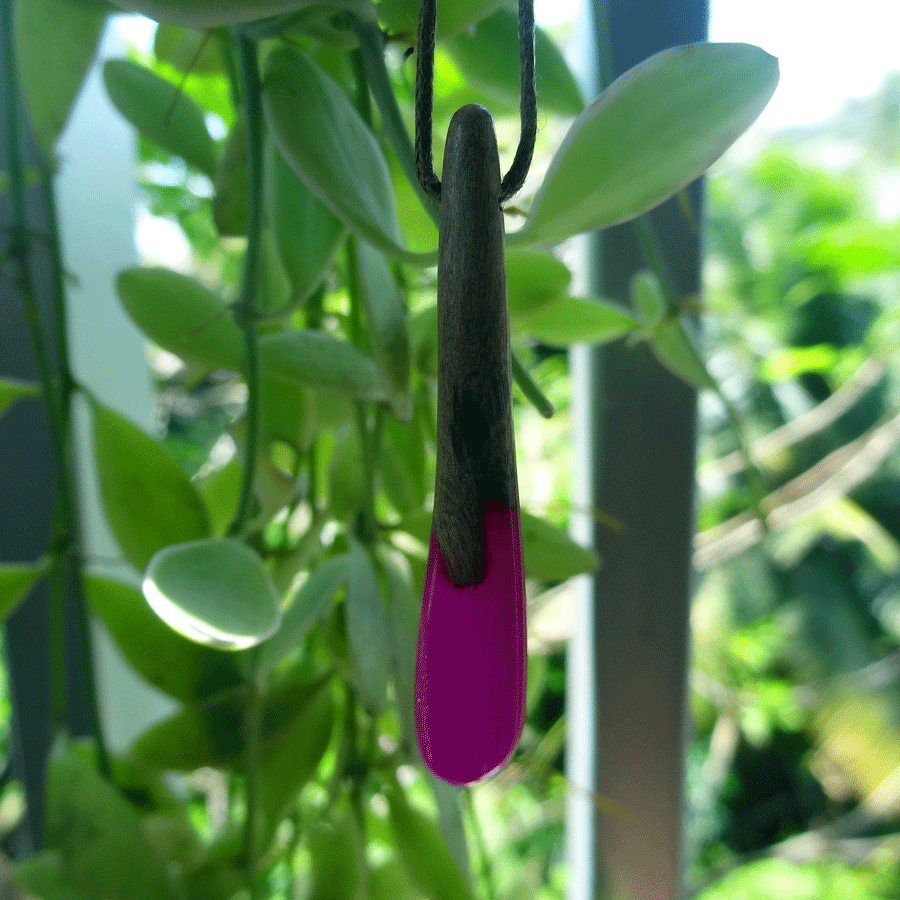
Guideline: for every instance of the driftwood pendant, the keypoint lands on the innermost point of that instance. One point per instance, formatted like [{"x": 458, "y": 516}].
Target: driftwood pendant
[{"x": 471, "y": 660}]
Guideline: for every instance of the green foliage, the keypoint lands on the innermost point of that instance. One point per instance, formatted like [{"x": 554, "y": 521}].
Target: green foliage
[
  {"x": 67, "y": 32},
  {"x": 286, "y": 633}
]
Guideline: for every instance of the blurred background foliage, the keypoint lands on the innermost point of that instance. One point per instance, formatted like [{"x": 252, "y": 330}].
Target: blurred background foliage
[{"x": 794, "y": 768}]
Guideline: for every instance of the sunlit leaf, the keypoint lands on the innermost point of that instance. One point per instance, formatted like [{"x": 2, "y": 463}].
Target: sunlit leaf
[
  {"x": 649, "y": 134},
  {"x": 216, "y": 592},
  {"x": 533, "y": 279},
  {"x": 570, "y": 320},
  {"x": 790, "y": 362},
  {"x": 188, "y": 50},
  {"x": 211, "y": 13},
  {"x": 549, "y": 554}
]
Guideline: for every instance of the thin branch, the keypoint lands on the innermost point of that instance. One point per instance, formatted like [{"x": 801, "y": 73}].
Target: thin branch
[
  {"x": 818, "y": 487},
  {"x": 816, "y": 419}
]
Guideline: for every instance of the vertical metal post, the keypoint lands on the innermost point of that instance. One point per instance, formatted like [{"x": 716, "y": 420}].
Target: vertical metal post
[{"x": 635, "y": 445}]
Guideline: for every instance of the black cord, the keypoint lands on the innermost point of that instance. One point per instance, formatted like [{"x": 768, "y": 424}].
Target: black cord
[{"x": 424, "y": 108}]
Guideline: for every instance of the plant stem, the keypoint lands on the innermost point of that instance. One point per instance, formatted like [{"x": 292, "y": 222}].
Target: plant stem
[
  {"x": 486, "y": 873},
  {"x": 371, "y": 46},
  {"x": 530, "y": 388},
  {"x": 245, "y": 309},
  {"x": 252, "y": 728},
  {"x": 65, "y": 527}
]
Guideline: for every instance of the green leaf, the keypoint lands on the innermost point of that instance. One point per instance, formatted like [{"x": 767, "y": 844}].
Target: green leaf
[
  {"x": 386, "y": 320},
  {"x": 346, "y": 477},
  {"x": 790, "y": 362},
  {"x": 571, "y": 320},
  {"x": 229, "y": 203},
  {"x": 549, "y": 554},
  {"x": 307, "y": 234},
  {"x": 423, "y": 851},
  {"x": 68, "y": 34},
  {"x": 336, "y": 863},
  {"x": 533, "y": 279},
  {"x": 187, "y": 50},
  {"x": 12, "y": 390},
  {"x": 450, "y": 820},
  {"x": 366, "y": 629},
  {"x": 423, "y": 341},
  {"x": 330, "y": 147},
  {"x": 402, "y": 16},
  {"x": 403, "y": 465},
  {"x": 292, "y": 757},
  {"x": 675, "y": 349},
  {"x": 215, "y": 591},
  {"x": 16, "y": 582},
  {"x": 181, "y": 316},
  {"x": 305, "y": 606},
  {"x": 161, "y": 112},
  {"x": 488, "y": 57},
  {"x": 211, "y": 13},
  {"x": 44, "y": 876},
  {"x": 651, "y": 132},
  {"x": 177, "y": 666},
  {"x": 104, "y": 852},
  {"x": 647, "y": 297},
  {"x": 319, "y": 360},
  {"x": 148, "y": 499},
  {"x": 210, "y": 732},
  {"x": 390, "y": 881},
  {"x": 403, "y": 611}
]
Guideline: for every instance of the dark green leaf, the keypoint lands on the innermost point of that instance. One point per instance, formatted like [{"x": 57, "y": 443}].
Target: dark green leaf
[
  {"x": 423, "y": 852},
  {"x": 103, "y": 849},
  {"x": 229, "y": 204},
  {"x": 16, "y": 582},
  {"x": 366, "y": 629},
  {"x": 305, "y": 606},
  {"x": 148, "y": 499},
  {"x": 307, "y": 234},
  {"x": 177, "y": 666},
  {"x": 188, "y": 50}
]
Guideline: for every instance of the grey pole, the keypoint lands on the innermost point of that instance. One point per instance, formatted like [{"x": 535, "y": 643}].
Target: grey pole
[{"x": 635, "y": 444}]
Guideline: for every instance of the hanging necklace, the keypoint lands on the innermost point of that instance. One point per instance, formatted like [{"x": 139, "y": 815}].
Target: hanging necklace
[{"x": 471, "y": 660}]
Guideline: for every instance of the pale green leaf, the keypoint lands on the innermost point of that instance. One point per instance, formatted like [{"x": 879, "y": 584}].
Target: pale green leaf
[
  {"x": 215, "y": 591},
  {"x": 649, "y": 134},
  {"x": 571, "y": 320}
]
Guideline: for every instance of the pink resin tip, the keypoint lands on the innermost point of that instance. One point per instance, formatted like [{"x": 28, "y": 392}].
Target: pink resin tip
[{"x": 472, "y": 658}]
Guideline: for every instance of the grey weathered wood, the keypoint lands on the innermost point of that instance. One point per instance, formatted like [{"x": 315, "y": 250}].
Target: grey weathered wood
[{"x": 476, "y": 453}]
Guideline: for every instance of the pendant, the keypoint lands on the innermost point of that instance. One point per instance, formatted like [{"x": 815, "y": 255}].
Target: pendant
[{"x": 471, "y": 661}]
